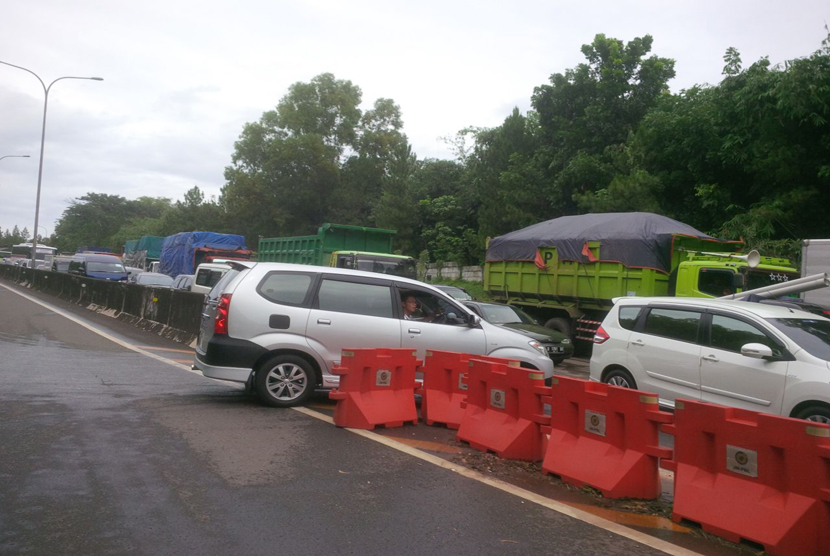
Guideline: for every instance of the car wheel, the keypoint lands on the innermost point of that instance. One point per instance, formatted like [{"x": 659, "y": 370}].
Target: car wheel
[
  {"x": 815, "y": 413},
  {"x": 621, "y": 378},
  {"x": 560, "y": 325},
  {"x": 285, "y": 381}
]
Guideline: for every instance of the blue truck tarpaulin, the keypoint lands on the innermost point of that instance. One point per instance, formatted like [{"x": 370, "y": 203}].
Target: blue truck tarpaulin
[{"x": 177, "y": 250}]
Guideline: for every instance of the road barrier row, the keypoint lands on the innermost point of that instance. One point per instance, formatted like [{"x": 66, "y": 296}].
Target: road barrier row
[
  {"x": 176, "y": 314},
  {"x": 740, "y": 474}
]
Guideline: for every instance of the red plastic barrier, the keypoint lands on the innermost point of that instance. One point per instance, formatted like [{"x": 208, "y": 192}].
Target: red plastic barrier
[
  {"x": 444, "y": 387},
  {"x": 504, "y": 410},
  {"x": 605, "y": 437},
  {"x": 753, "y": 476},
  {"x": 377, "y": 387}
]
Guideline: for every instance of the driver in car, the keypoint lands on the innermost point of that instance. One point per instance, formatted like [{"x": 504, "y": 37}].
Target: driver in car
[{"x": 412, "y": 312}]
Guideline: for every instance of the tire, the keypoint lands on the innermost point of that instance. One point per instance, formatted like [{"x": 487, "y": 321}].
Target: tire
[
  {"x": 816, "y": 413},
  {"x": 560, "y": 325},
  {"x": 620, "y": 377},
  {"x": 558, "y": 360},
  {"x": 285, "y": 381}
]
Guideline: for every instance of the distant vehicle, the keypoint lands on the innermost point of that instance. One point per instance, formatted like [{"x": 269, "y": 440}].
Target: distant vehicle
[
  {"x": 102, "y": 267},
  {"x": 182, "y": 253},
  {"x": 566, "y": 271},
  {"x": 748, "y": 355},
  {"x": 558, "y": 346},
  {"x": 61, "y": 264},
  {"x": 182, "y": 282},
  {"x": 142, "y": 252},
  {"x": 340, "y": 246},
  {"x": 208, "y": 275},
  {"x": 455, "y": 292},
  {"x": 153, "y": 279},
  {"x": 133, "y": 271},
  {"x": 5, "y": 255},
  {"x": 44, "y": 253}
]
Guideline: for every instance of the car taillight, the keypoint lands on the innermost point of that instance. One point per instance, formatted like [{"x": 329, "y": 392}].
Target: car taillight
[
  {"x": 601, "y": 336},
  {"x": 220, "y": 325}
]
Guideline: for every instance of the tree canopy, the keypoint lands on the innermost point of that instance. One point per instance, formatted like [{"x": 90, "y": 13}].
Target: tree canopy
[{"x": 744, "y": 158}]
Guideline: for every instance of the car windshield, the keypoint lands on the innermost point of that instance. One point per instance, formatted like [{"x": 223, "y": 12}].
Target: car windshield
[
  {"x": 505, "y": 314},
  {"x": 109, "y": 268},
  {"x": 811, "y": 334},
  {"x": 456, "y": 293},
  {"x": 151, "y": 280},
  {"x": 397, "y": 267},
  {"x": 762, "y": 278}
]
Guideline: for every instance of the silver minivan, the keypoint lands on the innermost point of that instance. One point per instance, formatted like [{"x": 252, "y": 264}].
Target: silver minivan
[{"x": 280, "y": 328}]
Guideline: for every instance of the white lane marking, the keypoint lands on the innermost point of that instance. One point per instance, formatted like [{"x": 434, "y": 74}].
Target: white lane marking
[
  {"x": 101, "y": 333},
  {"x": 569, "y": 511},
  {"x": 558, "y": 507}
]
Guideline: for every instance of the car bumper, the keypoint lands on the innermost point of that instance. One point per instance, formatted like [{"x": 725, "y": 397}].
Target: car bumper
[{"x": 227, "y": 358}]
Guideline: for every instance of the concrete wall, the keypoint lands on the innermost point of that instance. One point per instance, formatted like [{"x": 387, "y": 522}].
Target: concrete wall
[
  {"x": 173, "y": 314},
  {"x": 451, "y": 271}
]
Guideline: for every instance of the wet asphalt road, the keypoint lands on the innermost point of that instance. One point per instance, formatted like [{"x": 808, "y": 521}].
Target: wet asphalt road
[{"x": 107, "y": 451}]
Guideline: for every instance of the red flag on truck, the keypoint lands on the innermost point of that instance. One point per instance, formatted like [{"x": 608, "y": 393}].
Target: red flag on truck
[
  {"x": 538, "y": 261},
  {"x": 587, "y": 252}
]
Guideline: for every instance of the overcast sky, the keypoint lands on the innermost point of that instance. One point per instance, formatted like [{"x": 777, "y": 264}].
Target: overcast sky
[{"x": 182, "y": 77}]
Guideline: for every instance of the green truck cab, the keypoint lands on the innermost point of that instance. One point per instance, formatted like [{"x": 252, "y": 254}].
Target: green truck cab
[
  {"x": 340, "y": 246},
  {"x": 570, "y": 284}
]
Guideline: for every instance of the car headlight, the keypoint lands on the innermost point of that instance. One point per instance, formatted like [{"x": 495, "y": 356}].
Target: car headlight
[
  {"x": 565, "y": 341},
  {"x": 537, "y": 346}
]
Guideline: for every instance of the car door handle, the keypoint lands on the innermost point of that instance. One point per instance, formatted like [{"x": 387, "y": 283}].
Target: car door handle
[
  {"x": 711, "y": 358},
  {"x": 323, "y": 321},
  {"x": 414, "y": 331},
  {"x": 637, "y": 343}
]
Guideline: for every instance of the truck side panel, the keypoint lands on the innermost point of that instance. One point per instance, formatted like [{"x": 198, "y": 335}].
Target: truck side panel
[
  {"x": 317, "y": 249},
  {"x": 588, "y": 286}
]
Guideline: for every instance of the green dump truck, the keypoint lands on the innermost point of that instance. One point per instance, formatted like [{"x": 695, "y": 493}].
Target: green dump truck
[
  {"x": 567, "y": 271},
  {"x": 340, "y": 246}
]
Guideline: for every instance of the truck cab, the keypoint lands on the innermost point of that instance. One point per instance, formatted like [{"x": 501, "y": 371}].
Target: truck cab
[{"x": 721, "y": 274}]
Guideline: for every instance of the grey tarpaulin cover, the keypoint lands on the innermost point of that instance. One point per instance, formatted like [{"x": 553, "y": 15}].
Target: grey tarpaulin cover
[{"x": 635, "y": 239}]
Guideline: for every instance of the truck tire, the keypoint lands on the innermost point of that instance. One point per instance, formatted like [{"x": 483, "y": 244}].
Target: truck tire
[{"x": 560, "y": 324}]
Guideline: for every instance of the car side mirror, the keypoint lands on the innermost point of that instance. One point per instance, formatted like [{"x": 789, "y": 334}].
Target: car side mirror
[
  {"x": 473, "y": 320},
  {"x": 756, "y": 351}
]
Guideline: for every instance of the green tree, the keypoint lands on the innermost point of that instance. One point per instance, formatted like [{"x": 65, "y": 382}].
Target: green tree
[{"x": 595, "y": 106}]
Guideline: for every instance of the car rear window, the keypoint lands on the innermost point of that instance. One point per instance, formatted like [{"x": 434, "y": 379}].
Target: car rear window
[
  {"x": 673, "y": 323},
  {"x": 628, "y": 317},
  {"x": 208, "y": 277},
  {"x": 285, "y": 288},
  {"x": 352, "y": 297}
]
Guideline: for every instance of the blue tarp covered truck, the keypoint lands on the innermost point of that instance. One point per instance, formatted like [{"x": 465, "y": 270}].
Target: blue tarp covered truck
[{"x": 182, "y": 253}]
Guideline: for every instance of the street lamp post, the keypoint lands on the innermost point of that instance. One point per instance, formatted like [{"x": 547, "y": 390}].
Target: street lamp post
[
  {"x": 42, "y": 144},
  {"x": 14, "y": 156}
]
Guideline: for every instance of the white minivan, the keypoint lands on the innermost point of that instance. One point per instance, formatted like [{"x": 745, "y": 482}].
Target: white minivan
[
  {"x": 208, "y": 275},
  {"x": 280, "y": 328},
  {"x": 743, "y": 354}
]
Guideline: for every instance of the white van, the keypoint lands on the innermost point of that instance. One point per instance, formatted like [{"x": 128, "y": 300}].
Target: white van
[{"x": 207, "y": 276}]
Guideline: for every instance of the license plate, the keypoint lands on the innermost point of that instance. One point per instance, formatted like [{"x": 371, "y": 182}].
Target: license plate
[{"x": 555, "y": 349}]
